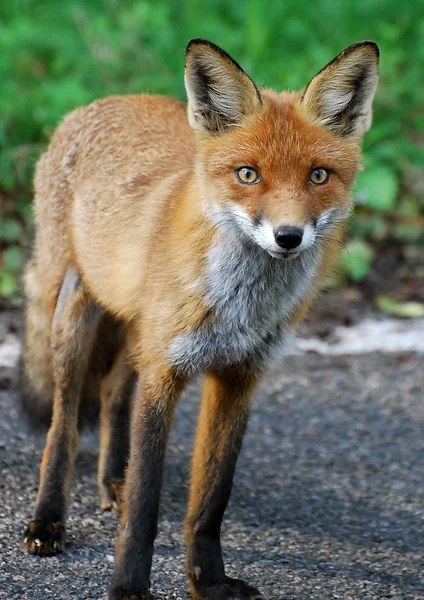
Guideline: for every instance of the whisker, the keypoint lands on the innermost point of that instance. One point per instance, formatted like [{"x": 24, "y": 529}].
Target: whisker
[{"x": 231, "y": 215}]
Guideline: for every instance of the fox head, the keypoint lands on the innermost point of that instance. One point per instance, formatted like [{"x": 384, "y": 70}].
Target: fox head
[{"x": 279, "y": 166}]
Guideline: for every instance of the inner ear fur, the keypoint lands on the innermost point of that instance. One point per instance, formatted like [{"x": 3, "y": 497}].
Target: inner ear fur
[
  {"x": 340, "y": 96},
  {"x": 220, "y": 94}
]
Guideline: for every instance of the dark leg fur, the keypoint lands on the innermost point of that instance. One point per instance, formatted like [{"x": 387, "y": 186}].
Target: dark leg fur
[
  {"x": 73, "y": 332},
  {"x": 222, "y": 423},
  {"x": 151, "y": 420},
  {"x": 115, "y": 403}
]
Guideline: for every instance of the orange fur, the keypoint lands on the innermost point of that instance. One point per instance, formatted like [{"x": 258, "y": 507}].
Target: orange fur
[{"x": 146, "y": 206}]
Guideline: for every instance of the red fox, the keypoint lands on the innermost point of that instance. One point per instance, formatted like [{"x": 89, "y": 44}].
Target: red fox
[{"x": 207, "y": 238}]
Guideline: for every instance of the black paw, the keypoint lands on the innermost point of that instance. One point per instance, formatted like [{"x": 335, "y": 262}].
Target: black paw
[
  {"x": 43, "y": 538},
  {"x": 230, "y": 589}
]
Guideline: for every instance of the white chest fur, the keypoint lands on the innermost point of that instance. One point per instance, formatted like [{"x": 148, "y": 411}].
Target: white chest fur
[{"x": 251, "y": 296}]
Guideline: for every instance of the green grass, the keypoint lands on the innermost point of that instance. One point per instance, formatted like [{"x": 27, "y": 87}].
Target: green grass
[{"x": 56, "y": 55}]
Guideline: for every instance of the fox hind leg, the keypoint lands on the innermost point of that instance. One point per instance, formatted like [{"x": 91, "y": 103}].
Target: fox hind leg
[
  {"x": 74, "y": 328},
  {"x": 116, "y": 393}
]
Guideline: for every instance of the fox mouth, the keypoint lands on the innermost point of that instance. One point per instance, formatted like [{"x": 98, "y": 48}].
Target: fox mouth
[{"x": 284, "y": 255}]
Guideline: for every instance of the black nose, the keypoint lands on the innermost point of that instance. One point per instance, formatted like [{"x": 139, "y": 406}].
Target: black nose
[{"x": 289, "y": 237}]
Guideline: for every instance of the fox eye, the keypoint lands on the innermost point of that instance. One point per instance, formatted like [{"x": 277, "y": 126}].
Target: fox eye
[
  {"x": 247, "y": 175},
  {"x": 319, "y": 176}
]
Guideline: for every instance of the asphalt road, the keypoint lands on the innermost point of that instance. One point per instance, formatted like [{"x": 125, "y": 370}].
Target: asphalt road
[{"x": 328, "y": 497}]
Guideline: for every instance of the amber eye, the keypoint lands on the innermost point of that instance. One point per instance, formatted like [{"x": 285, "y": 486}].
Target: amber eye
[
  {"x": 319, "y": 176},
  {"x": 247, "y": 175}
]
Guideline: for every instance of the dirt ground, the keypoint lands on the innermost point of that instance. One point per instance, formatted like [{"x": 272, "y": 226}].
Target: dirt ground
[{"x": 328, "y": 496}]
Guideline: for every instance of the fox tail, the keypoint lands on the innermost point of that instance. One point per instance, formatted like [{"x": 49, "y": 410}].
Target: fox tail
[{"x": 35, "y": 373}]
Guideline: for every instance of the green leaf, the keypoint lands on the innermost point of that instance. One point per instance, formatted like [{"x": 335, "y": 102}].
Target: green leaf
[
  {"x": 8, "y": 284},
  {"x": 377, "y": 188},
  {"x": 356, "y": 259},
  {"x": 10, "y": 231},
  {"x": 401, "y": 309},
  {"x": 13, "y": 258}
]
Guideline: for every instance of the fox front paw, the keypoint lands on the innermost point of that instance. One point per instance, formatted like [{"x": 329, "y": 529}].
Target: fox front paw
[
  {"x": 43, "y": 538},
  {"x": 111, "y": 495},
  {"x": 230, "y": 589}
]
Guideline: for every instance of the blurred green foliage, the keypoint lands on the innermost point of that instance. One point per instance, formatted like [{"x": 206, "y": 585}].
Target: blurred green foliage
[{"x": 55, "y": 56}]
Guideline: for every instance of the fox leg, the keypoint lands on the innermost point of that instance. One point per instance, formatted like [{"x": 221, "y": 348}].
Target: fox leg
[
  {"x": 115, "y": 399},
  {"x": 222, "y": 423},
  {"x": 73, "y": 331},
  {"x": 155, "y": 399}
]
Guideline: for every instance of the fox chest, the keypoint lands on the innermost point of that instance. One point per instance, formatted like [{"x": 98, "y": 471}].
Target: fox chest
[{"x": 251, "y": 298}]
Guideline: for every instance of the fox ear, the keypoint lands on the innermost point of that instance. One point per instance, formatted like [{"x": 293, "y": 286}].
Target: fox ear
[
  {"x": 220, "y": 94},
  {"x": 341, "y": 95}
]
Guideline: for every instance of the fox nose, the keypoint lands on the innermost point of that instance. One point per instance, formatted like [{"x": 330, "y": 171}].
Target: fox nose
[{"x": 289, "y": 237}]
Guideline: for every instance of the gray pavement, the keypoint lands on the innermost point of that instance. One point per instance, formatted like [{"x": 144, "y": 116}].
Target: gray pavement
[{"x": 328, "y": 497}]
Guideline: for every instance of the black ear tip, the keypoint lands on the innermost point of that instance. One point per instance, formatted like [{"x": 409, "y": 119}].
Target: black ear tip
[
  {"x": 195, "y": 42},
  {"x": 373, "y": 46},
  {"x": 366, "y": 43},
  {"x": 201, "y": 42}
]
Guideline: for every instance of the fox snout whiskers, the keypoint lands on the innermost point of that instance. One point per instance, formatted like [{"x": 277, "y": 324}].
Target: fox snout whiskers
[
  {"x": 281, "y": 242},
  {"x": 285, "y": 241}
]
